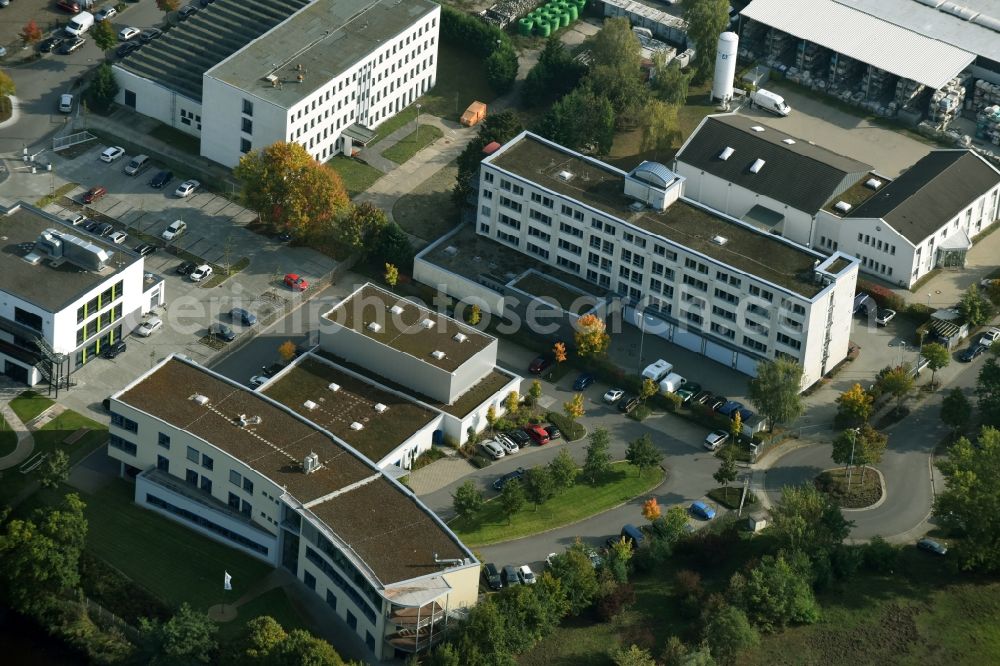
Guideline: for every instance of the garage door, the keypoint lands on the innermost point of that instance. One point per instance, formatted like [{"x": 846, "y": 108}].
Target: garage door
[
  {"x": 717, "y": 352},
  {"x": 687, "y": 339},
  {"x": 652, "y": 325},
  {"x": 746, "y": 364}
]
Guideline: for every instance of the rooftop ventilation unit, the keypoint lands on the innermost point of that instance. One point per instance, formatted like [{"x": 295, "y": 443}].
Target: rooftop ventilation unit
[
  {"x": 842, "y": 206},
  {"x": 437, "y": 354},
  {"x": 334, "y": 387},
  {"x": 726, "y": 153},
  {"x": 451, "y": 250},
  {"x": 720, "y": 240},
  {"x": 757, "y": 165},
  {"x": 245, "y": 420},
  {"x": 379, "y": 407},
  {"x": 565, "y": 175},
  {"x": 460, "y": 337},
  {"x": 200, "y": 399},
  {"x": 357, "y": 426},
  {"x": 374, "y": 327},
  {"x": 757, "y": 128},
  {"x": 873, "y": 183},
  {"x": 310, "y": 405},
  {"x": 396, "y": 309},
  {"x": 271, "y": 78},
  {"x": 790, "y": 142},
  {"x": 427, "y": 323},
  {"x": 311, "y": 463}
]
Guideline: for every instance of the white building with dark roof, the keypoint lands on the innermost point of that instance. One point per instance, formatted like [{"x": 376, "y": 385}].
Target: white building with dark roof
[{"x": 243, "y": 74}]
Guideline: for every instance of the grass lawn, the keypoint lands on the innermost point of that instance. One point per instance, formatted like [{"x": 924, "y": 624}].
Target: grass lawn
[
  {"x": 581, "y": 501},
  {"x": 170, "y": 561},
  {"x": 428, "y": 211},
  {"x": 401, "y": 119},
  {"x": 413, "y": 143},
  {"x": 8, "y": 438},
  {"x": 274, "y": 603},
  {"x": 29, "y": 404},
  {"x": 729, "y": 497},
  {"x": 461, "y": 80},
  {"x": 357, "y": 175},
  {"x": 861, "y": 493}
]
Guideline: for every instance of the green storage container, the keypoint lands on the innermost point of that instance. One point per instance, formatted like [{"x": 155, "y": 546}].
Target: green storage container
[
  {"x": 573, "y": 12},
  {"x": 545, "y": 30},
  {"x": 524, "y": 26},
  {"x": 563, "y": 20}
]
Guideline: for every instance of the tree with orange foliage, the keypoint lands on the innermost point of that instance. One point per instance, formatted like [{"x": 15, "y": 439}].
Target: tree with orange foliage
[
  {"x": 31, "y": 33},
  {"x": 651, "y": 509},
  {"x": 286, "y": 350},
  {"x": 559, "y": 351},
  {"x": 591, "y": 336}
]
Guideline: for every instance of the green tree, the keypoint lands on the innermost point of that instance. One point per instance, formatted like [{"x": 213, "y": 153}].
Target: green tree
[
  {"x": 501, "y": 68},
  {"x": 512, "y": 498},
  {"x": 39, "y": 556},
  {"x": 728, "y": 632},
  {"x": 104, "y": 35},
  {"x": 392, "y": 246},
  {"x": 974, "y": 309},
  {"x": 775, "y": 391},
  {"x": 956, "y": 410},
  {"x": 598, "y": 460},
  {"x": 591, "y": 336},
  {"x": 616, "y": 69},
  {"x": 898, "y": 383},
  {"x": 648, "y": 389},
  {"x": 535, "y": 391},
  {"x": 391, "y": 276},
  {"x": 301, "y": 647},
  {"x": 670, "y": 527},
  {"x": 359, "y": 225},
  {"x": 937, "y": 356},
  {"x": 538, "y": 485},
  {"x": 103, "y": 88},
  {"x": 554, "y": 75},
  {"x": 618, "y": 558},
  {"x": 775, "y": 594},
  {"x": 660, "y": 128},
  {"x": 806, "y": 519},
  {"x": 670, "y": 82},
  {"x": 188, "y": 637},
  {"x": 727, "y": 471},
  {"x": 263, "y": 635},
  {"x": 467, "y": 500},
  {"x": 643, "y": 453},
  {"x": 55, "y": 469},
  {"x": 512, "y": 403},
  {"x": 573, "y": 408},
  {"x": 969, "y": 507},
  {"x": 167, "y": 6},
  {"x": 291, "y": 190},
  {"x": 706, "y": 20},
  {"x": 583, "y": 120},
  {"x": 500, "y": 127},
  {"x": 988, "y": 392},
  {"x": 871, "y": 447},
  {"x": 854, "y": 407},
  {"x": 632, "y": 655},
  {"x": 563, "y": 470},
  {"x": 574, "y": 569},
  {"x": 7, "y": 87}
]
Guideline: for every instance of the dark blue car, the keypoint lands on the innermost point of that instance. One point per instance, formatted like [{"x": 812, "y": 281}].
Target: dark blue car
[
  {"x": 583, "y": 381},
  {"x": 972, "y": 352},
  {"x": 729, "y": 408}
]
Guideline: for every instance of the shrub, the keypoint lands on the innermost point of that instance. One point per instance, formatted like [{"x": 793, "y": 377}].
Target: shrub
[
  {"x": 571, "y": 430},
  {"x": 617, "y": 600},
  {"x": 671, "y": 401},
  {"x": 640, "y": 413},
  {"x": 885, "y": 297},
  {"x": 880, "y": 555},
  {"x": 480, "y": 461}
]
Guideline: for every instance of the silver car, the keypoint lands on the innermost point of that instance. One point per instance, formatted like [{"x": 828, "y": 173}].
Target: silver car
[
  {"x": 492, "y": 449},
  {"x": 509, "y": 445}
]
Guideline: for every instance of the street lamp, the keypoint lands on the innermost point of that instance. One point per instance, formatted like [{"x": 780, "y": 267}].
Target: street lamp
[
  {"x": 642, "y": 332},
  {"x": 417, "y": 121},
  {"x": 928, "y": 299},
  {"x": 850, "y": 465}
]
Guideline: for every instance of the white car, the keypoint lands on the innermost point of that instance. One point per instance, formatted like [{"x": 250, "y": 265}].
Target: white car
[
  {"x": 78, "y": 219},
  {"x": 526, "y": 575},
  {"x": 176, "y": 228},
  {"x": 202, "y": 272},
  {"x": 258, "y": 380},
  {"x": 105, "y": 14},
  {"x": 990, "y": 336},
  {"x": 715, "y": 439},
  {"x": 509, "y": 445},
  {"x": 118, "y": 237},
  {"x": 186, "y": 188},
  {"x": 493, "y": 449},
  {"x": 148, "y": 327},
  {"x": 111, "y": 154},
  {"x": 613, "y": 396},
  {"x": 129, "y": 33}
]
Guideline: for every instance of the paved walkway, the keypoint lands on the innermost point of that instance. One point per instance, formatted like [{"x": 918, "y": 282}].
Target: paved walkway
[{"x": 439, "y": 474}]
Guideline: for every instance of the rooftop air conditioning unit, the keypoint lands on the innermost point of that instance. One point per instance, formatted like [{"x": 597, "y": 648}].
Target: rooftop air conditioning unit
[
  {"x": 272, "y": 78},
  {"x": 842, "y": 206},
  {"x": 374, "y": 327},
  {"x": 396, "y": 309},
  {"x": 451, "y": 250},
  {"x": 310, "y": 405},
  {"x": 757, "y": 128},
  {"x": 334, "y": 387},
  {"x": 790, "y": 142},
  {"x": 437, "y": 354},
  {"x": 311, "y": 463},
  {"x": 200, "y": 399},
  {"x": 379, "y": 407},
  {"x": 565, "y": 175},
  {"x": 873, "y": 183},
  {"x": 757, "y": 165},
  {"x": 427, "y": 323},
  {"x": 726, "y": 153},
  {"x": 357, "y": 426},
  {"x": 720, "y": 240},
  {"x": 460, "y": 337}
]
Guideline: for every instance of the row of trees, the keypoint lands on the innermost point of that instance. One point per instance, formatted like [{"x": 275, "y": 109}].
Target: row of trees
[{"x": 484, "y": 40}]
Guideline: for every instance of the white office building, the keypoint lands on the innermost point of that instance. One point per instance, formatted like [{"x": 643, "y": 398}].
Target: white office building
[
  {"x": 65, "y": 295},
  {"x": 701, "y": 279},
  {"x": 243, "y": 74},
  {"x": 251, "y": 472}
]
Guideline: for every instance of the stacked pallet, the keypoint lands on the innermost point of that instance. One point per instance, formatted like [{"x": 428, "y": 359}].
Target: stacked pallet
[
  {"x": 844, "y": 72},
  {"x": 984, "y": 94},
  {"x": 988, "y": 124},
  {"x": 907, "y": 91},
  {"x": 946, "y": 102}
]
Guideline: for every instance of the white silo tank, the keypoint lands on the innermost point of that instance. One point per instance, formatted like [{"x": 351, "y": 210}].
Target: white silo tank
[{"x": 725, "y": 66}]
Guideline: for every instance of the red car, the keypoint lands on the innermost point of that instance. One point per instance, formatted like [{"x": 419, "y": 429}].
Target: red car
[
  {"x": 538, "y": 434},
  {"x": 71, "y": 6},
  {"x": 295, "y": 282},
  {"x": 94, "y": 193}
]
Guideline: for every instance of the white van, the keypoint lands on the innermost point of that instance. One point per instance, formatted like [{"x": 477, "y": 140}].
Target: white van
[
  {"x": 770, "y": 101},
  {"x": 66, "y": 103},
  {"x": 138, "y": 163},
  {"x": 80, "y": 24}
]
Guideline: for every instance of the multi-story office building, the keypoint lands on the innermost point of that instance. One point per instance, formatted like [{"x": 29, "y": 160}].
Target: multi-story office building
[
  {"x": 244, "y": 74},
  {"x": 252, "y": 472},
  {"x": 702, "y": 280},
  {"x": 65, "y": 295}
]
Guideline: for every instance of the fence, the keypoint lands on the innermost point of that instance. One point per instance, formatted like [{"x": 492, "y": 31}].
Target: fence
[
  {"x": 63, "y": 142},
  {"x": 108, "y": 620}
]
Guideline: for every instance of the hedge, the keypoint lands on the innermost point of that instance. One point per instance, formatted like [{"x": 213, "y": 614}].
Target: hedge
[
  {"x": 571, "y": 430},
  {"x": 884, "y": 297},
  {"x": 470, "y": 32}
]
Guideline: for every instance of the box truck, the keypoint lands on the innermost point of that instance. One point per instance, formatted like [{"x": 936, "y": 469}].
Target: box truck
[
  {"x": 671, "y": 383},
  {"x": 80, "y": 24},
  {"x": 770, "y": 101},
  {"x": 657, "y": 371}
]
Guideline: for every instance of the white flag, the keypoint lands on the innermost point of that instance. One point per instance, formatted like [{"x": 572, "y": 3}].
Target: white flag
[{"x": 228, "y": 582}]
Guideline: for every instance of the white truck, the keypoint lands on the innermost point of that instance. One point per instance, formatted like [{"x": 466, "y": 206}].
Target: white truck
[
  {"x": 671, "y": 383},
  {"x": 658, "y": 370},
  {"x": 770, "y": 101},
  {"x": 80, "y": 24}
]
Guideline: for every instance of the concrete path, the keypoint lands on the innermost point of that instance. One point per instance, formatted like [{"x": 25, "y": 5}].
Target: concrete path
[{"x": 439, "y": 474}]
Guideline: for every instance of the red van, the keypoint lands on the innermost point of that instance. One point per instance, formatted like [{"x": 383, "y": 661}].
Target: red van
[{"x": 538, "y": 434}]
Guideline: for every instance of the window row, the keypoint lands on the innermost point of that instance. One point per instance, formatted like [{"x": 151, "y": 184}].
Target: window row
[{"x": 201, "y": 521}]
